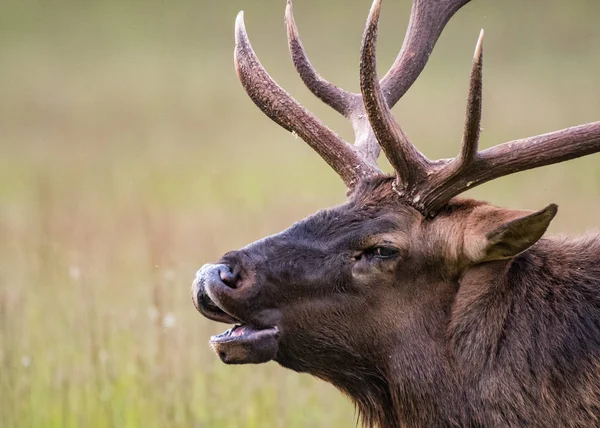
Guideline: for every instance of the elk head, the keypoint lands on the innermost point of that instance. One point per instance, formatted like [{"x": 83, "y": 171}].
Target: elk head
[{"x": 362, "y": 292}]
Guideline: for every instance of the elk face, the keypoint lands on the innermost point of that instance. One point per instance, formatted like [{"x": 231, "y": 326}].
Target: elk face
[
  {"x": 305, "y": 293},
  {"x": 350, "y": 285}
]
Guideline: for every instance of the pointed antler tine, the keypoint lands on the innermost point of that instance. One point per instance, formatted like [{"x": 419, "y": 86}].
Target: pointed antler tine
[
  {"x": 346, "y": 103},
  {"x": 240, "y": 27},
  {"x": 410, "y": 165},
  {"x": 472, "y": 129},
  {"x": 335, "y": 97}
]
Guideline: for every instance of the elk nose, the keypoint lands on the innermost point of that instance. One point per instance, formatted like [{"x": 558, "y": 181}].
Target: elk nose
[{"x": 227, "y": 276}]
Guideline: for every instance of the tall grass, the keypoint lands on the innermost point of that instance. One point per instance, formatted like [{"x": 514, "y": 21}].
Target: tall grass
[{"x": 129, "y": 156}]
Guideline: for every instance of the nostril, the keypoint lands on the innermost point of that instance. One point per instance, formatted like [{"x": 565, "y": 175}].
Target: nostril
[{"x": 228, "y": 277}]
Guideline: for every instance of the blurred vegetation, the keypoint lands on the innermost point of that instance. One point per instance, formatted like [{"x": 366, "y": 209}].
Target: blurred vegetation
[{"x": 130, "y": 156}]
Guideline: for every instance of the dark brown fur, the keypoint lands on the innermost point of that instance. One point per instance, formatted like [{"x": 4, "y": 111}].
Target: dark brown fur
[{"x": 439, "y": 336}]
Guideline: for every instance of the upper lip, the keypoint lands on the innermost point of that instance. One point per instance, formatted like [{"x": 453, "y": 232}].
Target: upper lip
[
  {"x": 212, "y": 311},
  {"x": 207, "y": 307},
  {"x": 216, "y": 310}
]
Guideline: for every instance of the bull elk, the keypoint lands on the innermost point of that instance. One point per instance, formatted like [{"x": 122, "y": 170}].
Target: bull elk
[{"x": 425, "y": 308}]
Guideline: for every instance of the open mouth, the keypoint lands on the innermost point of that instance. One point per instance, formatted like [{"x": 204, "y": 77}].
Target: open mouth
[{"x": 245, "y": 344}]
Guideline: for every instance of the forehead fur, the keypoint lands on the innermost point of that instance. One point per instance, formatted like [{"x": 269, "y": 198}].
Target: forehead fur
[
  {"x": 371, "y": 208},
  {"x": 374, "y": 191},
  {"x": 378, "y": 192}
]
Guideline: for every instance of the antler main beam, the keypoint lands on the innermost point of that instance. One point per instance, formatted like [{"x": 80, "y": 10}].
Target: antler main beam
[
  {"x": 282, "y": 108},
  {"x": 428, "y": 18},
  {"x": 508, "y": 158}
]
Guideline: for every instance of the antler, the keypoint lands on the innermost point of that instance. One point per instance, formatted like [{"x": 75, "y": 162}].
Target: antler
[
  {"x": 410, "y": 165},
  {"x": 472, "y": 168},
  {"x": 425, "y": 184},
  {"x": 430, "y": 185},
  {"x": 352, "y": 163},
  {"x": 276, "y": 103},
  {"x": 427, "y": 20}
]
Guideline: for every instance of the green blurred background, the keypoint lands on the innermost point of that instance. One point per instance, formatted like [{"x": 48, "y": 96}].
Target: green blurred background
[{"x": 130, "y": 156}]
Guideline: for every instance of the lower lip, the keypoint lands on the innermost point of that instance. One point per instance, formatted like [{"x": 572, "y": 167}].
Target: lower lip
[{"x": 240, "y": 332}]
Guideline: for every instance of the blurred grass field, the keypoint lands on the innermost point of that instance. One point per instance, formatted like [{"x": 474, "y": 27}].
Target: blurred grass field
[{"x": 130, "y": 156}]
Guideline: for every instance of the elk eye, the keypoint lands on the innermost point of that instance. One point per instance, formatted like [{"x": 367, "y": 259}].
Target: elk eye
[{"x": 383, "y": 252}]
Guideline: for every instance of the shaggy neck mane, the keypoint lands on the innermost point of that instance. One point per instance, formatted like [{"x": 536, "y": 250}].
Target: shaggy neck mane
[{"x": 528, "y": 332}]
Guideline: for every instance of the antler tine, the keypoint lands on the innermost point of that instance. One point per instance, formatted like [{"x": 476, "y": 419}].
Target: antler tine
[
  {"x": 472, "y": 168},
  {"x": 410, "y": 164},
  {"x": 282, "y": 108},
  {"x": 472, "y": 130},
  {"x": 337, "y": 98},
  {"x": 427, "y": 21},
  {"x": 346, "y": 103}
]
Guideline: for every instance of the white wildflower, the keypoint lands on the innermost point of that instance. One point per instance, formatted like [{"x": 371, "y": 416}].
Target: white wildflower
[
  {"x": 169, "y": 320},
  {"x": 74, "y": 272},
  {"x": 25, "y": 361}
]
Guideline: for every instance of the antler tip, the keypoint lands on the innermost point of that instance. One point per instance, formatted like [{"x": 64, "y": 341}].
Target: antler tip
[
  {"x": 289, "y": 18},
  {"x": 240, "y": 27},
  {"x": 479, "y": 47},
  {"x": 370, "y": 33},
  {"x": 374, "y": 12},
  {"x": 241, "y": 36},
  {"x": 242, "y": 45}
]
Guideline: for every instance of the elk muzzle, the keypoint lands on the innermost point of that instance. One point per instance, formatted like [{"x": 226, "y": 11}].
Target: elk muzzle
[{"x": 216, "y": 296}]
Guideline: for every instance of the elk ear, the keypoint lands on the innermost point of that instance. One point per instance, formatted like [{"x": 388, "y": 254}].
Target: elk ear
[{"x": 495, "y": 234}]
